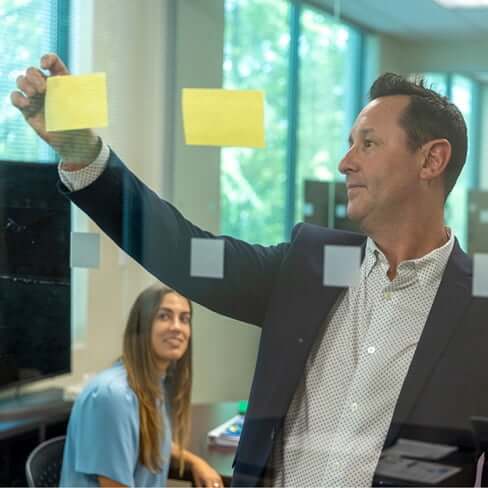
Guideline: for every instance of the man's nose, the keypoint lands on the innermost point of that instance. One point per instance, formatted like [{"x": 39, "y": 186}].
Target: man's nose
[{"x": 346, "y": 164}]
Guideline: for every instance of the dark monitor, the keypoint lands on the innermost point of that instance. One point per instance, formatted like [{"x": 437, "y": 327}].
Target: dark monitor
[
  {"x": 325, "y": 204},
  {"x": 480, "y": 430},
  {"x": 35, "y": 308}
]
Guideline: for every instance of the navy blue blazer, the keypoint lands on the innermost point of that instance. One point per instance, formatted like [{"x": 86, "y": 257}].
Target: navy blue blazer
[{"x": 271, "y": 287}]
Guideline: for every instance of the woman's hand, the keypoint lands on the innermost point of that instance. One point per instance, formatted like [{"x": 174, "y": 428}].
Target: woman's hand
[{"x": 204, "y": 475}]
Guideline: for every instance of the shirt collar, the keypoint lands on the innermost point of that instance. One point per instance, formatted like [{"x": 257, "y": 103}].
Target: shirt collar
[{"x": 428, "y": 268}]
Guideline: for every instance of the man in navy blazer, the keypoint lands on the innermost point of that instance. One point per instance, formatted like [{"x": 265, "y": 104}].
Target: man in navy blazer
[{"x": 407, "y": 149}]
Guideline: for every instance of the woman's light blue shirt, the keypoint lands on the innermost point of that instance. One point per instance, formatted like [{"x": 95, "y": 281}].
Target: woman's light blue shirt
[{"x": 103, "y": 435}]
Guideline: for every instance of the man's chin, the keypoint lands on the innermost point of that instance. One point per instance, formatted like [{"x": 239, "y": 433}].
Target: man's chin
[{"x": 355, "y": 214}]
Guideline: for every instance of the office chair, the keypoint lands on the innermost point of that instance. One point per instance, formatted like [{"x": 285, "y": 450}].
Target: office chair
[{"x": 43, "y": 466}]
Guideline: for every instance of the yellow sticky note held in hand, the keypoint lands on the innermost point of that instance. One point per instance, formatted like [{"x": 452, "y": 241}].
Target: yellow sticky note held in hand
[
  {"x": 76, "y": 102},
  {"x": 214, "y": 117}
]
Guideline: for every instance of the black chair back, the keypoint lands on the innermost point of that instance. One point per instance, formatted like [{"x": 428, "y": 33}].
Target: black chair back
[{"x": 43, "y": 466}]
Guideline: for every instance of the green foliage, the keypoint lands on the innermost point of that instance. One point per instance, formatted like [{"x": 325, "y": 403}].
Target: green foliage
[{"x": 256, "y": 56}]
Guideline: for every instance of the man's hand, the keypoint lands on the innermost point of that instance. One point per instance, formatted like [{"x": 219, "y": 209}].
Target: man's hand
[{"x": 77, "y": 148}]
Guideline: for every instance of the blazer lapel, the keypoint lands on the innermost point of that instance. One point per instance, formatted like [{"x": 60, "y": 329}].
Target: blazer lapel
[{"x": 449, "y": 305}]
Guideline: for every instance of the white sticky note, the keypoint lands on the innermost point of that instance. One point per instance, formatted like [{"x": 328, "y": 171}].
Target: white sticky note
[
  {"x": 342, "y": 265},
  {"x": 85, "y": 250},
  {"x": 207, "y": 258},
  {"x": 480, "y": 275}
]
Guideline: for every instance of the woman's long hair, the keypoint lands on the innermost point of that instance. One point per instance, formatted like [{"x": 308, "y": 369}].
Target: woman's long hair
[{"x": 145, "y": 379}]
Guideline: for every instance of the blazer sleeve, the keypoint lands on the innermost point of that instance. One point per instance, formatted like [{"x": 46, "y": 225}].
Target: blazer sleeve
[{"x": 158, "y": 237}]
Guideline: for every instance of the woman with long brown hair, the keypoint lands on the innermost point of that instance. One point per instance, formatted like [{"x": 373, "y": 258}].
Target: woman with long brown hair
[{"x": 132, "y": 419}]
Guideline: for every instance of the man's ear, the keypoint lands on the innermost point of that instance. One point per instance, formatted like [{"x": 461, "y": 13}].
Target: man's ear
[{"x": 436, "y": 155}]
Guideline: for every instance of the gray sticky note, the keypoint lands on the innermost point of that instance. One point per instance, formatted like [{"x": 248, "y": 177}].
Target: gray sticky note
[
  {"x": 85, "y": 250},
  {"x": 207, "y": 258},
  {"x": 342, "y": 265},
  {"x": 484, "y": 216},
  {"x": 480, "y": 275},
  {"x": 308, "y": 209}
]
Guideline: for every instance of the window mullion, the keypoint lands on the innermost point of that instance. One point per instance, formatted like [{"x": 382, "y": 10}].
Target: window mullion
[{"x": 293, "y": 106}]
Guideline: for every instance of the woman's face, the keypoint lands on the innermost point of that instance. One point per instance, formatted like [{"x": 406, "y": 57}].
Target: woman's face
[{"x": 171, "y": 330}]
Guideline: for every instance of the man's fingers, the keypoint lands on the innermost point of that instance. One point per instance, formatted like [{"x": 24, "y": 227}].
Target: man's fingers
[
  {"x": 37, "y": 79},
  {"x": 19, "y": 100},
  {"x": 53, "y": 63},
  {"x": 26, "y": 86}
]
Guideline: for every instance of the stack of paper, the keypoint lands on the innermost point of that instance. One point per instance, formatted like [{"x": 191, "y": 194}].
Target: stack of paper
[{"x": 227, "y": 434}]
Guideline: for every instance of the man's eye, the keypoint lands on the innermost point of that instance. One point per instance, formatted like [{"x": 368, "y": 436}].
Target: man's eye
[{"x": 368, "y": 143}]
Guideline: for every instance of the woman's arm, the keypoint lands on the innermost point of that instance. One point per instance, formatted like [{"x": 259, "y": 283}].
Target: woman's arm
[{"x": 203, "y": 474}]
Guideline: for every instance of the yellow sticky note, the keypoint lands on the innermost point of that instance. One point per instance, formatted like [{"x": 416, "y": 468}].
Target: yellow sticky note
[
  {"x": 214, "y": 117},
  {"x": 76, "y": 102}
]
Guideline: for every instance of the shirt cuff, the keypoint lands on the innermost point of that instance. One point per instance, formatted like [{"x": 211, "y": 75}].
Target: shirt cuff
[{"x": 77, "y": 180}]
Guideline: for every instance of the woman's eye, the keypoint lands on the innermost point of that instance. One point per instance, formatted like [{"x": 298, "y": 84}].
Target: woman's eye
[{"x": 163, "y": 316}]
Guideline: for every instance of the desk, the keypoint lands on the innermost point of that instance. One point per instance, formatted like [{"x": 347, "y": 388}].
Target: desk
[
  {"x": 207, "y": 416},
  {"x": 28, "y": 432},
  {"x": 204, "y": 418}
]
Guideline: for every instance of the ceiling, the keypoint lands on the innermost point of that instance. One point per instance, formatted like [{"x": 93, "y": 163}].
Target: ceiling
[{"x": 412, "y": 19}]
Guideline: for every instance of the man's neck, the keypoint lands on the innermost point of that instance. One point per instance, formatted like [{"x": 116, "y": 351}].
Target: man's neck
[{"x": 401, "y": 242}]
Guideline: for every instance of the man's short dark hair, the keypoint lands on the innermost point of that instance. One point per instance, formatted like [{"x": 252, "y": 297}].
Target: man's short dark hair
[{"x": 428, "y": 116}]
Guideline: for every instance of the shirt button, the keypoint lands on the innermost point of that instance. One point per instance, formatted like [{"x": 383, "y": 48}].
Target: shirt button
[
  {"x": 354, "y": 406},
  {"x": 371, "y": 350},
  {"x": 300, "y": 340},
  {"x": 387, "y": 295}
]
